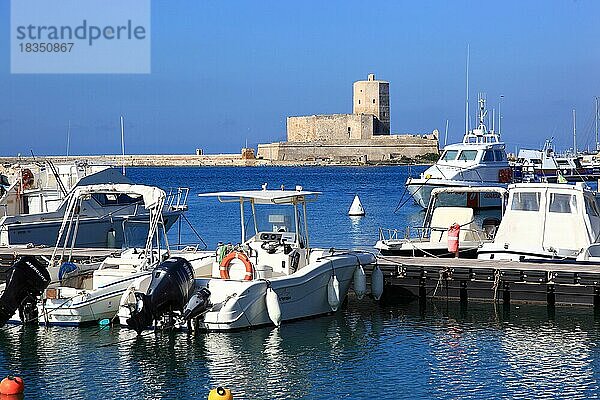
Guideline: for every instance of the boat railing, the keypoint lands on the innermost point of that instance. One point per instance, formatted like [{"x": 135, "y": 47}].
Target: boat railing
[
  {"x": 177, "y": 198},
  {"x": 424, "y": 232}
]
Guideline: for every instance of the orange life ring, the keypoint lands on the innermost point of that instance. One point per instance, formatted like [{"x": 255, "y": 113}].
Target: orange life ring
[{"x": 224, "y": 266}]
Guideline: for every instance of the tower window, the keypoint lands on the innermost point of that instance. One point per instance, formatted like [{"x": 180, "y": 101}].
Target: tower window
[
  {"x": 349, "y": 129},
  {"x": 373, "y": 101},
  {"x": 359, "y": 102}
]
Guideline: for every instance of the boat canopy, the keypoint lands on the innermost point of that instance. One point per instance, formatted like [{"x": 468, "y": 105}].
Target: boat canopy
[
  {"x": 265, "y": 196},
  {"x": 152, "y": 195}
]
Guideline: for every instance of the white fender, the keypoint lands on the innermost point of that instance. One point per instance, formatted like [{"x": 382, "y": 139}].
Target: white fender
[
  {"x": 360, "y": 282},
  {"x": 273, "y": 308},
  {"x": 377, "y": 283},
  {"x": 333, "y": 293}
]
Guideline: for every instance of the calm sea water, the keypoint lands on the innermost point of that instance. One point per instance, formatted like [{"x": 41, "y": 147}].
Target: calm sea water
[{"x": 367, "y": 350}]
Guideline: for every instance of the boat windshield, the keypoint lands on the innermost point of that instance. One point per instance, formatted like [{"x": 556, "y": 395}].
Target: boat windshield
[
  {"x": 273, "y": 219},
  {"x": 116, "y": 199},
  {"x": 500, "y": 155},
  {"x": 526, "y": 201},
  {"x": 449, "y": 155},
  {"x": 467, "y": 155}
]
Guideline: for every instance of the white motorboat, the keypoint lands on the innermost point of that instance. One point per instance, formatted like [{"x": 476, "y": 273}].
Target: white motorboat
[
  {"x": 272, "y": 276},
  {"x": 477, "y": 226},
  {"x": 84, "y": 293},
  {"x": 480, "y": 160},
  {"x": 107, "y": 217},
  {"x": 546, "y": 221}
]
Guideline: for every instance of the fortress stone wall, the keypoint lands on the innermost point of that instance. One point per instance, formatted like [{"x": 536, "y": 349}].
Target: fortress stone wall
[{"x": 360, "y": 136}]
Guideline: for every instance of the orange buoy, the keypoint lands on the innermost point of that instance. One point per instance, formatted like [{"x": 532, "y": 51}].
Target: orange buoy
[
  {"x": 12, "y": 385},
  {"x": 220, "y": 393}
]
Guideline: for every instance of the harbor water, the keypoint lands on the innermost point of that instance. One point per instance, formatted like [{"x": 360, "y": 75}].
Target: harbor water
[{"x": 367, "y": 350}]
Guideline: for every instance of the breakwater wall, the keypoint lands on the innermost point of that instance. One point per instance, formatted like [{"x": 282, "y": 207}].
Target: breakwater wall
[{"x": 191, "y": 160}]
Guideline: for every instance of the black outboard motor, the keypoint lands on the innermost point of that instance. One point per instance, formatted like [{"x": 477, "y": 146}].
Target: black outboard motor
[
  {"x": 170, "y": 289},
  {"x": 27, "y": 280},
  {"x": 198, "y": 303}
]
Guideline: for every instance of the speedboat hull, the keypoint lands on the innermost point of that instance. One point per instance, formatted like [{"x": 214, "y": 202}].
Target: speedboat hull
[
  {"x": 417, "y": 248},
  {"x": 65, "y": 306},
  {"x": 238, "y": 304}
]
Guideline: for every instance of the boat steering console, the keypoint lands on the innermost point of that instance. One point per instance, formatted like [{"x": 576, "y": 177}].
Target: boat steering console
[{"x": 271, "y": 241}]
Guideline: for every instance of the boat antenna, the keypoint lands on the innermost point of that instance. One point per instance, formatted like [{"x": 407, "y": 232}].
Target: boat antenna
[
  {"x": 467, "y": 105},
  {"x": 499, "y": 115},
  {"x": 123, "y": 143},
  {"x": 68, "y": 137},
  {"x": 574, "y": 134},
  {"x": 596, "y": 123},
  {"x": 446, "y": 134}
]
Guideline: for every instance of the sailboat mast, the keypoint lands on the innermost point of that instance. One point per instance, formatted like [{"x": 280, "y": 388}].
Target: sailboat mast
[
  {"x": 446, "y": 134},
  {"x": 123, "y": 143},
  {"x": 596, "y": 123},
  {"x": 69, "y": 137}
]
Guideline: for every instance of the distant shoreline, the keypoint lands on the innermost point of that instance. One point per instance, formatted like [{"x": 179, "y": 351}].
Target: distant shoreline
[{"x": 192, "y": 160}]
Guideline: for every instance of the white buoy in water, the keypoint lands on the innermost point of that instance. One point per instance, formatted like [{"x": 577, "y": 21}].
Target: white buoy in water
[
  {"x": 356, "y": 209},
  {"x": 333, "y": 293},
  {"x": 377, "y": 283},
  {"x": 360, "y": 282},
  {"x": 273, "y": 308}
]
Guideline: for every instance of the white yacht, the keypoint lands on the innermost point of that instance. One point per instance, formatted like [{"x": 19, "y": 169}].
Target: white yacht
[
  {"x": 480, "y": 160},
  {"x": 477, "y": 226},
  {"x": 545, "y": 221},
  {"x": 272, "y": 276}
]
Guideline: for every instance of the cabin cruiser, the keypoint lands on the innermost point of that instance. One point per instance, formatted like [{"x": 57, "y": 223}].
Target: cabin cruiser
[
  {"x": 480, "y": 160},
  {"x": 545, "y": 221},
  {"x": 83, "y": 293},
  {"x": 448, "y": 206},
  {"x": 272, "y": 275},
  {"x": 110, "y": 215}
]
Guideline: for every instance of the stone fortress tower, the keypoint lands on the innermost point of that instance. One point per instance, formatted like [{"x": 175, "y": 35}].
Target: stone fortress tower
[
  {"x": 373, "y": 97},
  {"x": 361, "y": 136}
]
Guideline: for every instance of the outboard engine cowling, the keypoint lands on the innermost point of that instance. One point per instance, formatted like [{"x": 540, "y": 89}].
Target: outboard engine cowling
[
  {"x": 199, "y": 302},
  {"x": 27, "y": 280},
  {"x": 170, "y": 289}
]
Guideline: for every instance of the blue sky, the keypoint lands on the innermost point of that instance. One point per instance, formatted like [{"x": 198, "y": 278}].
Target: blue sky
[{"x": 224, "y": 72}]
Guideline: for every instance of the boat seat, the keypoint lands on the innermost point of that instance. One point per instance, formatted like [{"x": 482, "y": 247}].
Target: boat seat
[
  {"x": 490, "y": 226},
  {"x": 444, "y": 217}
]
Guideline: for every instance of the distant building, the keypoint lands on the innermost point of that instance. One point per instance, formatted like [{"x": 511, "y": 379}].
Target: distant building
[{"x": 360, "y": 136}]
